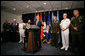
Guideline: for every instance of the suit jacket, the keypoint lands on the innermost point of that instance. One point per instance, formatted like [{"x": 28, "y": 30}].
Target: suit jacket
[
  {"x": 6, "y": 26},
  {"x": 14, "y": 27},
  {"x": 39, "y": 23}
]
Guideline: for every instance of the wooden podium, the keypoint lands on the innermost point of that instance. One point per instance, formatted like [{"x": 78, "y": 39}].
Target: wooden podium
[{"x": 31, "y": 45}]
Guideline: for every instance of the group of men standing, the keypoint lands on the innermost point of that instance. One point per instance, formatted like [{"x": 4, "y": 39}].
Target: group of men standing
[
  {"x": 10, "y": 31},
  {"x": 77, "y": 30},
  {"x": 64, "y": 27}
]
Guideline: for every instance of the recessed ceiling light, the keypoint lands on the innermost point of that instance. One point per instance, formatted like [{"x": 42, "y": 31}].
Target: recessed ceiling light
[
  {"x": 66, "y": 8},
  {"x": 44, "y": 3},
  {"x": 27, "y": 6},
  {"x": 14, "y": 8}
]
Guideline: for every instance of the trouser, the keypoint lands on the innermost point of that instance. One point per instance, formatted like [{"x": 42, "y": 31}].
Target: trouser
[
  {"x": 27, "y": 34},
  {"x": 54, "y": 39},
  {"x": 65, "y": 38},
  {"x": 38, "y": 39},
  {"x": 22, "y": 35},
  {"x": 6, "y": 36},
  {"x": 21, "y": 39},
  {"x": 14, "y": 36},
  {"x": 77, "y": 41}
]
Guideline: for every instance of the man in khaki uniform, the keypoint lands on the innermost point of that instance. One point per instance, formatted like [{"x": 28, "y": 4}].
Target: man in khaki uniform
[{"x": 55, "y": 29}]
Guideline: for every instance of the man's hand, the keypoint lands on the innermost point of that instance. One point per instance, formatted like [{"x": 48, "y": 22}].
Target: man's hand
[
  {"x": 17, "y": 31},
  {"x": 51, "y": 31},
  {"x": 11, "y": 31},
  {"x": 42, "y": 23},
  {"x": 75, "y": 28},
  {"x": 62, "y": 29},
  {"x": 57, "y": 32},
  {"x": 7, "y": 30},
  {"x": 50, "y": 25}
]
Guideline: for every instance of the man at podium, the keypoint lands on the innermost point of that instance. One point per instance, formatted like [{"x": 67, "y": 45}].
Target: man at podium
[{"x": 39, "y": 24}]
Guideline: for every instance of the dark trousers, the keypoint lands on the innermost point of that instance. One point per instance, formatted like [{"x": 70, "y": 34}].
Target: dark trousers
[
  {"x": 38, "y": 39},
  {"x": 14, "y": 36},
  {"x": 54, "y": 39},
  {"x": 27, "y": 34},
  {"x": 77, "y": 42},
  {"x": 6, "y": 36}
]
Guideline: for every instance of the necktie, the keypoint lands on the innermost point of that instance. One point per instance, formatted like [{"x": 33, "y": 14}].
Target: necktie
[{"x": 36, "y": 22}]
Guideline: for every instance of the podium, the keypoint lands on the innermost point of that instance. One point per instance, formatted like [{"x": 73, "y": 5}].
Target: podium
[{"x": 32, "y": 44}]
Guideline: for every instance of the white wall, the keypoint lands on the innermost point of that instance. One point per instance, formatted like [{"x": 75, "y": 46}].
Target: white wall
[{"x": 10, "y": 17}]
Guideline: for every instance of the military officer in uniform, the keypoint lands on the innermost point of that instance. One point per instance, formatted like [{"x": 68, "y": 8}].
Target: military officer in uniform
[
  {"x": 64, "y": 25},
  {"x": 21, "y": 31},
  {"x": 6, "y": 31},
  {"x": 55, "y": 30},
  {"x": 77, "y": 31}
]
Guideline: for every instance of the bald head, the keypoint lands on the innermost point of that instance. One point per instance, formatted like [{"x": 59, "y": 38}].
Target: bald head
[
  {"x": 6, "y": 21},
  {"x": 29, "y": 21},
  {"x": 76, "y": 12},
  {"x": 14, "y": 20}
]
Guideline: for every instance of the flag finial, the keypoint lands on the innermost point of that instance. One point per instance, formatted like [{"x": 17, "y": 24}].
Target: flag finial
[{"x": 49, "y": 12}]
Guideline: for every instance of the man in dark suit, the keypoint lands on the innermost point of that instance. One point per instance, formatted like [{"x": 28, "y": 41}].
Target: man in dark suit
[
  {"x": 38, "y": 23},
  {"x": 6, "y": 31},
  {"x": 14, "y": 30}
]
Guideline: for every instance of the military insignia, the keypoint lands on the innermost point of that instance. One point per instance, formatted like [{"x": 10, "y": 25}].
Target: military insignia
[
  {"x": 66, "y": 21},
  {"x": 75, "y": 24},
  {"x": 79, "y": 20}
]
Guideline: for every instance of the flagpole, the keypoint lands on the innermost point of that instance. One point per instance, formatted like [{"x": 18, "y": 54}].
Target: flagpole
[
  {"x": 44, "y": 16},
  {"x": 49, "y": 12},
  {"x": 52, "y": 18}
]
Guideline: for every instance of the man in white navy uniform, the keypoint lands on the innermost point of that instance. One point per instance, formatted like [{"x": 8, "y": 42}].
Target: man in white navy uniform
[{"x": 64, "y": 25}]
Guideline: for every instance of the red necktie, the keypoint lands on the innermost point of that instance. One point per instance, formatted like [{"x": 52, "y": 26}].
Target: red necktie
[{"x": 36, "y": 22}]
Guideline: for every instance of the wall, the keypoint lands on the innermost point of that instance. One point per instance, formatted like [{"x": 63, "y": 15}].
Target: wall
[{"x": 10, "y": 17}]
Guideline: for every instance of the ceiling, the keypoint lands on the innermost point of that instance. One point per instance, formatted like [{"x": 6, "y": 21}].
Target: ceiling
[{"x": 22, "y": 7}]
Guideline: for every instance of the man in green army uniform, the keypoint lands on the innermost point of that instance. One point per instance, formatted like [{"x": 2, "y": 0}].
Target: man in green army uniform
[
  {"x": 55, "y": 29},
  {"x": 6, "y": 31},
  {"x": 77, "y": 31}
]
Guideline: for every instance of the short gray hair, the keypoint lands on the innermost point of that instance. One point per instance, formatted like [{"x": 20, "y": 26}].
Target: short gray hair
[
  {"x": 65, "y": 14},
  {"x": 14, "y": 19}
]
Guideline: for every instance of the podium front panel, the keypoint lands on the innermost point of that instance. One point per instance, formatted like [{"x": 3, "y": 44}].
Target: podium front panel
[{"x": 31, "y": 45}]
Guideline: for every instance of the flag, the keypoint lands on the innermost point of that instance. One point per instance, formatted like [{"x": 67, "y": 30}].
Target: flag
[
  {"x": 57, "y": 15},
  {"x": 34, "y": 17},
  {"x": 44, "y": 17},
  {"x": 48, "y": 28},
  {"x": 41, "y": 35},
  {"x": 52, "y": 16},
  {"x": 44, "y": 31},
  {"x": 48, "y": 21},
  {"x": 58, "y": 20}
]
